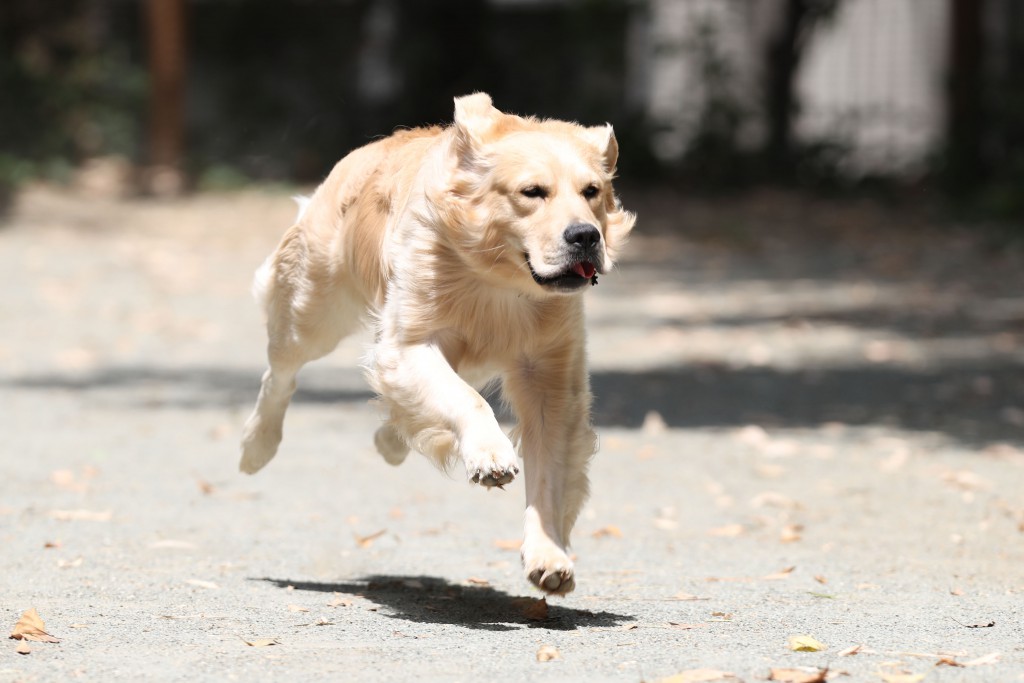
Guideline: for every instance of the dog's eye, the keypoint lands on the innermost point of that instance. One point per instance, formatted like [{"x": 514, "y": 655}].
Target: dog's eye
[
  {"x": 534, "y": 192},
  {"x": 591, "y": 191}
]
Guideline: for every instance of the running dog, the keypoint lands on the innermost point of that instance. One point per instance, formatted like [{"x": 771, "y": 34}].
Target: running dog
[{"x": 467, "y": 250}]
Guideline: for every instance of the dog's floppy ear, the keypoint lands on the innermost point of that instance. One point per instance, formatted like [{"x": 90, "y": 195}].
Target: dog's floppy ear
[
  {"x": 603, "y": 137},
  {"x": 475, "y": 116}
]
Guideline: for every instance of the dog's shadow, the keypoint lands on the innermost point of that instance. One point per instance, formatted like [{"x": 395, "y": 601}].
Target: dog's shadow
[{"x": 432, "y": 600}]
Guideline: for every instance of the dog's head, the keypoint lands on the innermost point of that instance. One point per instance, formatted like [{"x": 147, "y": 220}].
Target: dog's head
[{"x": 530, "y": 202}]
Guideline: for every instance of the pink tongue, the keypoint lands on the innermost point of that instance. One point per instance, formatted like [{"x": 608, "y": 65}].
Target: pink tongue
[{"x": 584, "y": 269}]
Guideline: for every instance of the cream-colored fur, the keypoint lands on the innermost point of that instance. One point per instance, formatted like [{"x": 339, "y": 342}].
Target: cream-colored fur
[{"x": 466, "y": 250}]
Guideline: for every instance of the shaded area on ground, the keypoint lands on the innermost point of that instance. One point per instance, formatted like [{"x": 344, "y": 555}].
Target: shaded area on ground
[
  {"x": 433, "y": 600},
  {"x": 973, "y": 402}
]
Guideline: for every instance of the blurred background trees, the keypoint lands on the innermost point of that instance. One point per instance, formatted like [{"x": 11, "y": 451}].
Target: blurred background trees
[{"x": 704, "y": 94}]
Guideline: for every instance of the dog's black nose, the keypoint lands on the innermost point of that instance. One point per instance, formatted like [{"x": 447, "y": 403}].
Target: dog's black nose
[{"x": 582, "y": 235}]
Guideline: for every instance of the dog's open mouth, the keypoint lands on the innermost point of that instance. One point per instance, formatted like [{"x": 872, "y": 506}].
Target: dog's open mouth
[{"x": 575, "y": 276}]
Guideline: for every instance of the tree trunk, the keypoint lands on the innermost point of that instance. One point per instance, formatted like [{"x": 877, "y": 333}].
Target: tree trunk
[
  {"x": 965, "y": 107},
  {"x": 165, "y": 27}
]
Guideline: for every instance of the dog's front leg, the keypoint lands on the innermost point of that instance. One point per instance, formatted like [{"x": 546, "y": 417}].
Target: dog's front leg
[
  {"x": 439, "y": 414},
  {"x": 551, "y": 398}
]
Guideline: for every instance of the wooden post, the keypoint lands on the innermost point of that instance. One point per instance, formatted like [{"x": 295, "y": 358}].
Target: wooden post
[
  {"x": 165, "y": 28},
  {"x": 965, "y": 109}
]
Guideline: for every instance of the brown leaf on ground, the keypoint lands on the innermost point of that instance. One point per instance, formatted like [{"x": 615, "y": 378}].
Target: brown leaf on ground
[
  {"x": 685, "y": 627},
  {"x": 508, "y": 544},
  {"x": 23, "y": 648},
  {"x": 791, "y": 533},
  {"x": 477, "y": 581},
  {"x": 820, "y": 579},
  {"x": 52, "y": 544},
  {"x": 948, "y": 660},
  {"x": 31, "y": 627},
  {"x": 699, "y": 676},
  {"x": 779, "y": 575},
  {"x": 262, "y": 642},
  {"x": 609, "y": 531},
  {"x": 546, "y": 653},
  {"x": 798, "y": 675},
  {"x": 367, "y": 541},
  {"x": 852, "y": 650},
  {"x": 966, "y": 480},
  {"x": 682, "y": 595},
  {"x": 297, "y": 608},
  {"x": 82, "y": 515},
  {"x": 531, "y": 608},
  {"x": 990, "y": 658},
  {"x": 66, "y": 480},
  {"x": 901, "y": 677},
  {"x": 728, "y": 531},
  {"x": 806, "y": 644},
  {"x": 205, "y": 487},
  {"x": 338, "y": 601}
]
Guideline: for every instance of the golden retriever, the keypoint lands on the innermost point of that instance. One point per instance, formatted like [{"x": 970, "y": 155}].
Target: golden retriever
[{"x": 466, "y": 249}]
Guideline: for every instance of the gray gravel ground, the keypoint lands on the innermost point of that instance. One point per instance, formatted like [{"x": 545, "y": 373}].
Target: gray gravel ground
[{"x": 811, "y": 418}]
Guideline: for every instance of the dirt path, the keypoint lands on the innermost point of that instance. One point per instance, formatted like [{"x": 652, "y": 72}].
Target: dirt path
[{"x": 811, "y": 418}]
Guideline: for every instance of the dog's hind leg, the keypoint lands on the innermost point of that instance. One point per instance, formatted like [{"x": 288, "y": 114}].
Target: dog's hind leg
[{"x": 306, "y": 318}]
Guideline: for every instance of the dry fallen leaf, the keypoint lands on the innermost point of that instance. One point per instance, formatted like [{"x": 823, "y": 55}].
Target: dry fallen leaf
[
  {"x": 262, "y": 642},
  {"x": 31, "y": 627},
  {"x": 297, "y": 608},
  {"x": 791, "y": 533},
  {"x": 852, "y": 650},
  {"x": 533, "y": 609},
  {"x": 610, "y": 530},
  {"x": 948, "y": 660},
  {"x": 82, "y": 515},
  {"x": 685, "y": 627},
  {"x": 23, "y": 648},
  {"x": 367, "y": 541},
  {"x": 781, "y": 574},
  {"x": 477, "y": 581},
  {"x": 820, "y": 579},
  {"x": 339, "y": 601},
  {"x": 799, "y": 675},
  {"x": 727, "y": 531},
  {"x": 65, "y": 479},
  {"x": 901, "y": 677},
  {"x": 546, "y": 653},
  {"x": 990, "y": 658},
  {"x": 698, "y": 676},
  {"x": 806, "y": 644},
  {"x": 682, "y": 595}
]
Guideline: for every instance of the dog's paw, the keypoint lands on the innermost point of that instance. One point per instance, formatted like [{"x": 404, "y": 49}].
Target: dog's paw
[
  {"x": 549, "y": 569},
  {"x": 259, "y": 446},
  {"x": 490, "y": 461},
  {"x": 391, "y": 445}
]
